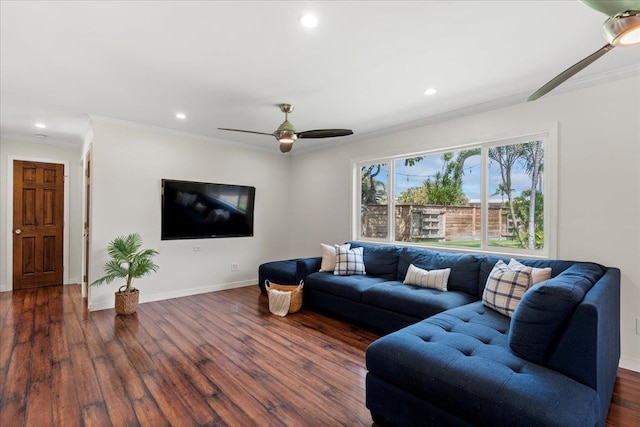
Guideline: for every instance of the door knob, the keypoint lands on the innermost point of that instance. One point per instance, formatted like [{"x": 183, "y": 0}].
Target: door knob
[{"x": 18, "y": 231}]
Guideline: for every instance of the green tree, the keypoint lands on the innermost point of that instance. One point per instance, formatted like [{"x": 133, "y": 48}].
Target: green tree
[
  {"x": 533, "y": 157},
  {"x": 373, "y": 191},
  {"x": 414, "y": 196},
  {"x": 522, "y": 206},
  {"x": 445, "y": 188},
  {"x": 506, "y": 156}
]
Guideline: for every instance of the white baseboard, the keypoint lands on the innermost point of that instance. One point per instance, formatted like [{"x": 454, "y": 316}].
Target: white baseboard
[
  {"x": 71, "y": 281},
  {"x": 629, "y": 363},
  {"x": 147, "y": 297}
]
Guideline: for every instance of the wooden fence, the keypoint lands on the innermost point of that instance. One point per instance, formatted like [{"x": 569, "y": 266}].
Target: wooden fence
[{"x": 415, "y": 223}]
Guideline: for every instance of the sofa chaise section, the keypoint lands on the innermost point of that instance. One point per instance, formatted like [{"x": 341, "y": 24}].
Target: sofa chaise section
[{"x": 458, "y": 368}]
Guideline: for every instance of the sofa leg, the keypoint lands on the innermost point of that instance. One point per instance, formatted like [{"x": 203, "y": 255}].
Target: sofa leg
[{"x": 379, "y": 420}]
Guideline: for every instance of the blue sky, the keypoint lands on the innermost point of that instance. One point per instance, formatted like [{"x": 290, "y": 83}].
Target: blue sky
[{"x": 411, "y": 176}]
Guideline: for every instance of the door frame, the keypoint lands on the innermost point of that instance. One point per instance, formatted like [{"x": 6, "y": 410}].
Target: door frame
[
  {"x": 86, "y": 222},
  {"x": 65, "y": 241}
]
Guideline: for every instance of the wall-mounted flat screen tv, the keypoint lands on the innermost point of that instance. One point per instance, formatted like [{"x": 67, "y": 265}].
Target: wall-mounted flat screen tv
[{"x": 200, "y": 210}]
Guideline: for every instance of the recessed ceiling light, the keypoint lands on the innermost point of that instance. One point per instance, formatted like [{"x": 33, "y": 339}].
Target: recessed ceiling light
[
  {"x": 181, "y": 116},
  {"x": 431, "y": 91},
  {"x": 41, "y": 125},
  {"x": 308, "y": 21}
]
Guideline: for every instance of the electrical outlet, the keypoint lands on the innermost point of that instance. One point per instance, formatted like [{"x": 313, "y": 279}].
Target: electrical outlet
[
  {"x": 235, "y": 266},
  {"x": 197, "y": 249}
]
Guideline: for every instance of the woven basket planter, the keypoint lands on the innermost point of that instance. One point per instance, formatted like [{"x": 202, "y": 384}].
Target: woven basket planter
[{"x": 127, "y": 302}]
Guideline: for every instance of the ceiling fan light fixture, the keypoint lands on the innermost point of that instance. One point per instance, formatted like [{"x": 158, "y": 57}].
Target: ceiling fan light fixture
[
  {"x": 623, "y": 29},
  {"x": 285, "y": 147},
  {"x": 286, "y": 136},
  {"x": 286, "y": 133}
]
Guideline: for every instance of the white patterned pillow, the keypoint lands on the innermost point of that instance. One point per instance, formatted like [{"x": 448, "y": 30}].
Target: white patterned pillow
[
  {"x": 537, "y": 274},
  {"x": 349, "y": 261},
  {"x": 434, "y": 279},
  {"x": 505, "y": 287},
  {"x": 329, "y": 256}
]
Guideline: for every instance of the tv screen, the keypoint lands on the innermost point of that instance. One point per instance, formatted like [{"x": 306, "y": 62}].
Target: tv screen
[{"x": 200, "y": 210}]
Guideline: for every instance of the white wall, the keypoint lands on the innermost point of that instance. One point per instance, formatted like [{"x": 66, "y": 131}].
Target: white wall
[
  {"x": 598, "y": 180},
  {"x": 128, "y": 164},
  {"x": 10, "y": 150},
  {"x": 306, "y": 199}
]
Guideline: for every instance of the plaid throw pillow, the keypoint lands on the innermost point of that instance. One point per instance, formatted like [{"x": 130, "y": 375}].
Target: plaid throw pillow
[
  {"x": 349, "y": 261},
  {"x": 329, "y": 256},
  {"x": 434, "y": 279},
  {"x": 537, "y": 274},
  {"x": 505, "y": 287}
]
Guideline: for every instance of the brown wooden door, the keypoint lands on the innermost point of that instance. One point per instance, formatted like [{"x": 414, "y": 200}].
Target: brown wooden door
[{"x": 38, "y": 216}]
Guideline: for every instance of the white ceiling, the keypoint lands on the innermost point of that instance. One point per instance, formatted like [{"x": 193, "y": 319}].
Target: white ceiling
[{"x": 227, "y": 64}]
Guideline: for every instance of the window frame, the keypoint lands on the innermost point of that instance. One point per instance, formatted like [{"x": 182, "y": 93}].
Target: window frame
[{"x": 547, "y": 134}]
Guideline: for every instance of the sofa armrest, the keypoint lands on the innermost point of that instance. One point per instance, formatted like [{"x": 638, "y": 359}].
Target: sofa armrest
[
  {"x": 589, "y": 349},
  {"x": 306, "y": 266}
]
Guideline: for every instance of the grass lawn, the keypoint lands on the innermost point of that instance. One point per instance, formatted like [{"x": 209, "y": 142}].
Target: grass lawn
[{"x": 476, "y": 243}]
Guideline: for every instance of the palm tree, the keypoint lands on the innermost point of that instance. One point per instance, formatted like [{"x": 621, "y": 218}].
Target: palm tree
[
  {"x": 501, "y": 190},
  {"x": 532, "y": 154},
  {"x": 370, "y": 186},
  {"x": 506, "y": 157},
  {"x": 127, "y": 261}
]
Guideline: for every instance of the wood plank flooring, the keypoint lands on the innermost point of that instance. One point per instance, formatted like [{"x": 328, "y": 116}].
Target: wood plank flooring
[{"x": 214, "y": 359}]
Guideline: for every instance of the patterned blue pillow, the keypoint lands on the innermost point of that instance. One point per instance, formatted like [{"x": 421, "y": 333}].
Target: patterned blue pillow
[{"x": 349, "y": 261}]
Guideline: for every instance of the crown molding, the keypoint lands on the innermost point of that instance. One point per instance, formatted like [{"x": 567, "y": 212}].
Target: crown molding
[
  {"x": 176, "y": 133},
  {"x": 569, "y": 86},
  {"x": 43, "y": 141}
]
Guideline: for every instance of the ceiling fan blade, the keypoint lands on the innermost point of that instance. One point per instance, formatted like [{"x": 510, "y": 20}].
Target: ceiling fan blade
[
  {"x": 612, "y": 7},
  {"x": 246, "y": 131},
  {"x": 569, "y": 72},
  {"x": 285, "y": 148},
  {"x": 324, "y": 133}
]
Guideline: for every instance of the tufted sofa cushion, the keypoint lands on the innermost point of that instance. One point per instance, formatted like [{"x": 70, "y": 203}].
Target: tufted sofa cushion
[
  {"x": 459, "y": 361},
  {"x": 546, "y": 308}
]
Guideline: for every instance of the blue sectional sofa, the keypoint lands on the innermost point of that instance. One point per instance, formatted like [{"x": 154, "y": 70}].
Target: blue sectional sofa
[{"x": 450, "y": 360}]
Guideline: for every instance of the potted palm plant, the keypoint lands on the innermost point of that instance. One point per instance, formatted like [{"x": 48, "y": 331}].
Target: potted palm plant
[{"x": 128, "y": 262}]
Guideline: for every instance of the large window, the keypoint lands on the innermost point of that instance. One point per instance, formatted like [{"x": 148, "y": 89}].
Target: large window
[
  {"x": 494, "y": 196},
  {"x": 374, "y": 180}
]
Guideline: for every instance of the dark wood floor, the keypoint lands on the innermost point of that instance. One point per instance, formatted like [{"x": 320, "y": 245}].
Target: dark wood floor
[{"x": 211, "y": 359}]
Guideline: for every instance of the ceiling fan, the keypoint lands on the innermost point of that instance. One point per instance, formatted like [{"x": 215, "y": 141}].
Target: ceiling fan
[
  {"x": 286, "y": 133},
  {"x": 621, "y": 29}
]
